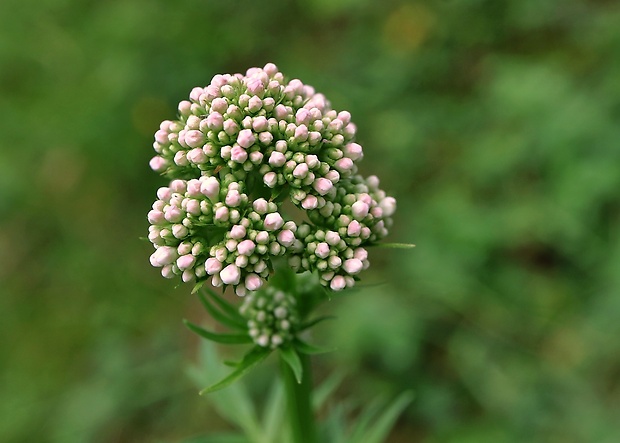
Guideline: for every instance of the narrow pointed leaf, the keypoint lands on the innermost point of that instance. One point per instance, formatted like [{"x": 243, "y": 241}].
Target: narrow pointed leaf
[
  {"x": 220, "y": 316},
  {"x": 322, "y": 392},
  {"x": 313, "y": 322},
  {"x": 380, "y": 429},
  {"x": 394, "y": 245},
  {"x": 228, "y": 309},
  {"x": 229, "y": 339},
  {"x": 308, "y": 349},
  {"x": 289, "y": 355},
  {"x": 197, "y": 286},
  {"x": 251, "y": 359}
]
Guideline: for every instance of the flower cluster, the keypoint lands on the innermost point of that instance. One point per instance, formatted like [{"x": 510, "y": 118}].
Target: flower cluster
[
  {"x": 271, "y": 315},
  {"x": 240, "y": 148}
]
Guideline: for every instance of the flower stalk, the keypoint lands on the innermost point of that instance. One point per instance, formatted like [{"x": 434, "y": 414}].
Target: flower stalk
[{"x": 299, "y": 401}]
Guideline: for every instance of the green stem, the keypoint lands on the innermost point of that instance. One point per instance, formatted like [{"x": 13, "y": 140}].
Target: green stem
[{"x": 299, "y": 402}]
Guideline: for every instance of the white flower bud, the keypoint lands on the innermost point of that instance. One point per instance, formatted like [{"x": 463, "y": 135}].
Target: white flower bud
[
  {"x": 186, "y": 261},
  {"x": 353, "y": 266},
  {"x": 388, "y": 205},
  {"x": 164, "y": 255},
  {"x": 338, "y": 283},
  {"x": 273, "y": 221},
  {"x": 246, "y": 247},
  {"x": 213, "y": 266},
  {"x": 246, "y": 138},
  {"x": 230, "y": 275},
  {"x": 270, "y": 179}
]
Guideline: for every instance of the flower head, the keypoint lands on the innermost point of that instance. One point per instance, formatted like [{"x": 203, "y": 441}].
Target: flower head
[{"x": 240, "y": 139}]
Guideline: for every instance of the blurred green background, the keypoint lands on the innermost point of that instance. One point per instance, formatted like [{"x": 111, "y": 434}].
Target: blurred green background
[{"x": 494, "y": 122}]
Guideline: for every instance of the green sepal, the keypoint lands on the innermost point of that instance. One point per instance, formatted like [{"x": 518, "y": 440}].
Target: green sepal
[
  {"x": 308, "y": 349},
  {"x": 289, "y": 355},
  {"x": 229, "y": 339},
  {"x": 251, "y": 359},
  {"x": 218, "y": 315},
  {"x": 313, "y": 322}
]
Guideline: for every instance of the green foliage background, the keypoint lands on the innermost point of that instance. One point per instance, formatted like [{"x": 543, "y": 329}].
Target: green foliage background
[{"x": 494, "y": 122}]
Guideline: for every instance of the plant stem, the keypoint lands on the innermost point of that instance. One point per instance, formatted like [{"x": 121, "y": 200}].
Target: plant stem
[{"x": 299, "y": 402}]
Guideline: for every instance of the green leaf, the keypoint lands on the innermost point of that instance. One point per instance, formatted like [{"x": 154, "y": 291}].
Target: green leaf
[
  {"x": 229, "y": 339},
  {"x": 289, "y": 355},
  {"x": 322, "y": 392},
  {"x": 308, "y": 349},
  {"x": 228, "y": 309},
  {"x": 313, "y": 322},
  {"x": 393, "y": 245},
  {"x": 381, "y": 426},
  {"x": 197, "y": 286},
  {"x": 274, "y": 412},
  {"x": 251, "y": 359},
  {"x": 221, "y": 317}
]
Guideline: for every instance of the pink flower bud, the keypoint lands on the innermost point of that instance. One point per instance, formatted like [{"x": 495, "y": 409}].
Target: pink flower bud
[
  {"x": 302, "y": 116},
  {"x": 219, "y": 105},
  {"x": 332, "y": 238},
  {"x": 174, "y": 214},
  {"x": 270, "y": 179},
  {"x": 213, "y": 266},
  {"x": 300, "y": 171},
  {"x": 333, "y": 176},
  {"x": 322, "y": 185},
  {"x": 353, "y": 266},
  {"x": 237, "y": 232},
  {"x": 221, "y": 214},
  {"x": 260, "y": 205},
  {"x": 194, "y": 138},
  {"x": 196, "y": 93},
  {"x": 345, "y": 164},
  {"x": 255, "y": 104},
  {"x": 312, "y": 161},
  {"x": 344, "y": 117},
  {"x": 161, "y": 137},
  {"x": 270, "y": 69},
  {"x": 238, "y": 154},
  {"x": 338, "y": 283},
  {"x": 185, "y": 107},
  {"x": 262, "y": 238},
  {"x": 301, "y": 133},
  {"x": 215, "y": 121},
  {"x": 167, "y": 271},
  {"x": 211, "y": 188},
  {"x": 253, "y": 282},
  {"x": 230, "y": 275},
  {"x": 246, "y": 138},
  {"x": 277, "y": 159},
  {"x": 164, "y": 255},
  {"x": 359, "y": 210},
  {"x": 256, "y": 157},
  {"x": 322, "y": 250},
  {"x": 155, "y": 217},
  {"x": 186, "y": 261},
  {"x": 230, "y": 127},
  {"x": 193, "y": 207},
  {"x": 281, "y": 112},
  {"x": 310, "y": 202},
  {"x": 179, "y": 231},
  {"x": 353, "y": 151},
  {"x": 354, "y": 229},
  {"x": 388, "y": 205},
  {"x": 158, "y": 164},
  {"x": 265, "y": 138},
  {"x": 164, "y": 193},
  {"x": 193, "y": 188},
  {"x": 286, "y": 238},
  {"x": 273, "y": 221},
  {"x": 246, "y": 247},
  {"x": 255, "y": 86},
  {"x": 334, "y": 262},
  {"x": 260, "y": 123}
]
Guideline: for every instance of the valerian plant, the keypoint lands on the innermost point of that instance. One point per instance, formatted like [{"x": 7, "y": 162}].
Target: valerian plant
[{"x": 265, "y": 198}]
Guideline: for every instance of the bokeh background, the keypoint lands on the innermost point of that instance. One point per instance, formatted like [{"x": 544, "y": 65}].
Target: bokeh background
[{"x": 494, "y": 122}]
